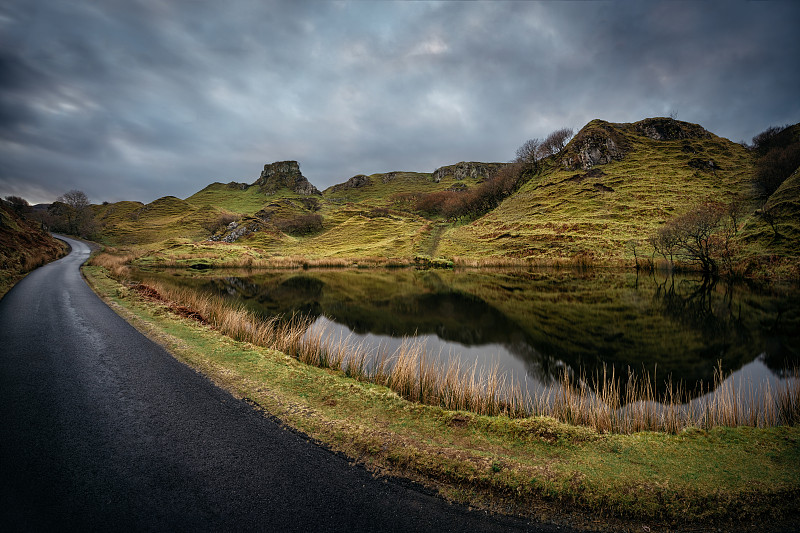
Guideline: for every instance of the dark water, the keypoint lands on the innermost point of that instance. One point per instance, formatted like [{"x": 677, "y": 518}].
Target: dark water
[{"x": 536, "y": 323}]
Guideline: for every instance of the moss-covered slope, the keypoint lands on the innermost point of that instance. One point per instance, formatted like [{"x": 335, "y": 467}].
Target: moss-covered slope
[{"x": 613, "y": 183}]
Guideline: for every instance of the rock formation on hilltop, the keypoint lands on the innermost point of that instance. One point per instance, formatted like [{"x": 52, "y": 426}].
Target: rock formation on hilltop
[
  {"x": 464, "y": 170},
  {"x": 284, "y": 174},
  {"x": 601, "y": 142},
  {"x": 668, "y": 129},
  {"x": 598, "y": 143},
  {"x": 356, "y": 182}
]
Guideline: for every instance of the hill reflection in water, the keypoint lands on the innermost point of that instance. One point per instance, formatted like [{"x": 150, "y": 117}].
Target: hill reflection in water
[{"x": 535, "y": 323}]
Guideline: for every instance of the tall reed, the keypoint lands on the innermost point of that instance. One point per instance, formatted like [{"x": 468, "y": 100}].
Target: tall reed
[{"x": 603, "y": 401}]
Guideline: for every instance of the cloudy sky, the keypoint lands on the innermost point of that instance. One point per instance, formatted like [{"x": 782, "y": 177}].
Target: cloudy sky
[{"x": 137, "y": 99}]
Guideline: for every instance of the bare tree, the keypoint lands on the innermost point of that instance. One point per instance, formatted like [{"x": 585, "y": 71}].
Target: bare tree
[
  {"x": 767, "y": 139},
  {"x": 633, "y": 246},
  {"x": 71, "y": 213},
  {"x": 665, "y": 242},
  {"x": 530, "y": 152},
  {"x": 556, "y": 141},
  {"x": 694, "y": 233},
  {"x": 768, "y": 215},
  {"x": 736, "y": 210},
  {"x": 19, "y": 204},
  {"x": 75, "y": 199}
]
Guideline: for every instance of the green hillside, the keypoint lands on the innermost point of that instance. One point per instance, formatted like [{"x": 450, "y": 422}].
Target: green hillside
[
  {"x": 779, "y": 231},
  {"x": 133, "y": 223},
  {"x": 233, "y": 197},
  {"x": 612, "y": 184},
  {"x": 392, "y": 189}
]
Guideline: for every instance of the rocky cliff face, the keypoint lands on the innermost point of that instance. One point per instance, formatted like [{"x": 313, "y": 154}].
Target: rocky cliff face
[
  {"x": 465, "y": 170},
  {"x": 597, "y": 143},
  {"x": 285, "y": 174},
  {"x": 601, "y": 142}
]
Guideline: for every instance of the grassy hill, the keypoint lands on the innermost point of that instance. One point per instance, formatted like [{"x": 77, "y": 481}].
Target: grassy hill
[
  {"x": 233, "y": 197},
  {"x": 613, "y": 183},
  {"x": 125, "y": 223},
  {"x": 775, "y": 230},
  {"x": 778, "y": 233}
]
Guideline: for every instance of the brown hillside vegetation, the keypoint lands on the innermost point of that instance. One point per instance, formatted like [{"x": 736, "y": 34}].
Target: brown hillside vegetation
[{"x": 23, "y": 247}]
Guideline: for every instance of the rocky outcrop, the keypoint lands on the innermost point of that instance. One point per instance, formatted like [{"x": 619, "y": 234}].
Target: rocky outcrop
[
  {"x": 356, "y": 182},
  {"x": 601, "y": 142},
  {"x": 285, "y": 174},
  {"x": 465, "y": 170},
  {"x": 389, "y": 176},
  {"x": 668, "y": 129},
  {"x": 598, "y": 143},
  {"x": 238, "y": 229}
]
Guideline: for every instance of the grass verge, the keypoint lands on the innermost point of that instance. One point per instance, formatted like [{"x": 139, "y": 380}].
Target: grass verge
[{"x": 535, "y": 467}]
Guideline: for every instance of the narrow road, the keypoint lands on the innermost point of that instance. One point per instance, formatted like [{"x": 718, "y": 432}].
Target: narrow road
[{"x": 101, "y": 429}]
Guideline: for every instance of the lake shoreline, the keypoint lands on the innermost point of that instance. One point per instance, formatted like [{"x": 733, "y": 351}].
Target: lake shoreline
[{"x": 323, "y": 404}]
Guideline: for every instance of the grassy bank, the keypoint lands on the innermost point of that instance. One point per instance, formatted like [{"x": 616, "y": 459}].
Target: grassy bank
[
  {"x": 533, "y": 466},
  {"x": 24, "y": 246}
]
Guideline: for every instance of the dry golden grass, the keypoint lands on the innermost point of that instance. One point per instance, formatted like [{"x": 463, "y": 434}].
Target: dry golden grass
[
  {"x": 605, "y": 402},
  {"x": 116, "y": 262}
]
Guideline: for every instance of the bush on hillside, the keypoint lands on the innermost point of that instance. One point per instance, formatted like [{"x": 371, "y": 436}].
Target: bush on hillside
[
  {"x": 300, "y": 225},
  {"x": 777, "y": 151},
  {"x": 702, "y": 236},
  {"x": 474, "y": 201},
  {"x": 218, "y": 223}
]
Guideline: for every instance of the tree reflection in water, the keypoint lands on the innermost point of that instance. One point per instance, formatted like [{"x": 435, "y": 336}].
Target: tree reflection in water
[{"x": 540, "y": 323}]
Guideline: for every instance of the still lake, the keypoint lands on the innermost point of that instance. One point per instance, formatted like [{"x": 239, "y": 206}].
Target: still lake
[{"x": 536, "y": 323}]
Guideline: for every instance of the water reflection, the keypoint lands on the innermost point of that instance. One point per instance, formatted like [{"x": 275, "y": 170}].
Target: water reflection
[{"x": 536, "y": 323}]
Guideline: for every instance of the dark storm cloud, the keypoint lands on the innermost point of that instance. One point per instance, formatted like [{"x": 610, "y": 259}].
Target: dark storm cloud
[{"x": 139, "y": 99}]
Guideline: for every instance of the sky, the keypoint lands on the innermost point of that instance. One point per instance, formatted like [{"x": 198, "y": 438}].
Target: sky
[{"x": 139, "y": 99}]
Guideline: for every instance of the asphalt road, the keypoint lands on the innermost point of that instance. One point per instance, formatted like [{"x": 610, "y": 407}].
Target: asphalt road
[{"x": 101, "y": 429}]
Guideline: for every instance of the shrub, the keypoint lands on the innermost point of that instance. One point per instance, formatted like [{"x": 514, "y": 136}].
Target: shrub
[
  {"x": 475, "y": 201},
  {"x": 219, "y": 222},
  {"x": 778, "y": 155},
  {"x": 300, "y": 225}
]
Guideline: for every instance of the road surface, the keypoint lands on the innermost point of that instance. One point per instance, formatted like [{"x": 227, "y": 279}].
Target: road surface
[{"x": 102, "y": 429}]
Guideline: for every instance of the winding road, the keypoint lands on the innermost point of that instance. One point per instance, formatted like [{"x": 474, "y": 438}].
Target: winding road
[{"x": 102, "y": 429}]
